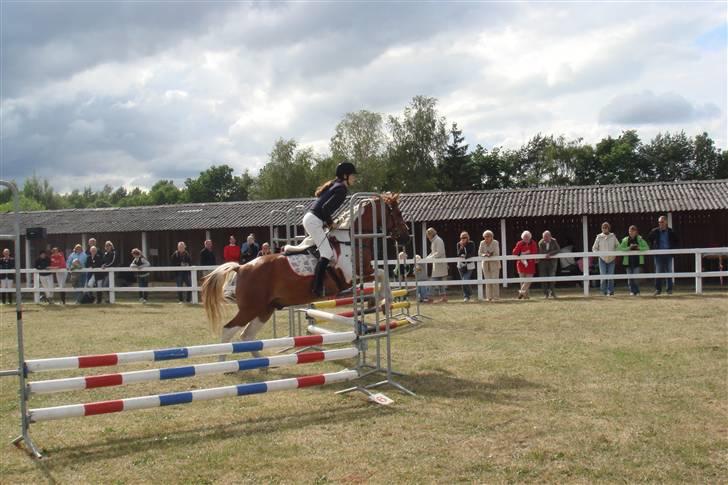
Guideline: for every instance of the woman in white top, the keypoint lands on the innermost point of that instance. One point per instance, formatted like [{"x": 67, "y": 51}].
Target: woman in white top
[
  {"x": 439, "y": 270},
  {"x": 606, "y": 241}
]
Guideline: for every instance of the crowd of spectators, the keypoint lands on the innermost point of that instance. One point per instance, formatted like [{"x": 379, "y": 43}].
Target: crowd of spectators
[
  {"x": 63, "y": 268},
  {"x": 660, "y": 237},
  {"x": 56, "y": 268}
]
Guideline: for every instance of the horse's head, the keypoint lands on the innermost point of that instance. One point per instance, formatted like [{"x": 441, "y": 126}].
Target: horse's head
[{"x": 397, "y": 228}]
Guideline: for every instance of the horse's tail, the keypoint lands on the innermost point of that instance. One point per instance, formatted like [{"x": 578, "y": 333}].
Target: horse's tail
[{"x": 213, "y": 294}]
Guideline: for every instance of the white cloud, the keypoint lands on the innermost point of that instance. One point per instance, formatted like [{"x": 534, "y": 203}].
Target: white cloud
[{"x": 164, "y": 93}]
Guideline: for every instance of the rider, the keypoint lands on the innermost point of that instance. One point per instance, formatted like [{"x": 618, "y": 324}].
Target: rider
[{"x": 330, "y": 195}]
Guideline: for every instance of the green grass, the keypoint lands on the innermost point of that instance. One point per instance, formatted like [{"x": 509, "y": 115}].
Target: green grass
[{"x": 574, "y": 390}]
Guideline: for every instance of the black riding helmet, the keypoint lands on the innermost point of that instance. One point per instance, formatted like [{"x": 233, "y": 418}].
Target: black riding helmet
[{"x": 344, "y": 169}]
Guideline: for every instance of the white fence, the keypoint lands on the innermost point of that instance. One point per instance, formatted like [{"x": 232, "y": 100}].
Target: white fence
[
  {"x": 698, "y": 274},
  {"x": 33, "y": 285}
]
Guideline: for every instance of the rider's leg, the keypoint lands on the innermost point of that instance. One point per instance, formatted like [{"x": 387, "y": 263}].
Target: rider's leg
[{"x": 318, "y": 279}]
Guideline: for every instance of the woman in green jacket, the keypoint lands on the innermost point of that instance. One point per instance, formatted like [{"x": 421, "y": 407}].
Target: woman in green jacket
[{"x": 633, "y": 263}]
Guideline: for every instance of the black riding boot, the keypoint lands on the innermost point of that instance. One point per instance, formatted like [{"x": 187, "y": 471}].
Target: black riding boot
[{"x": 318, "y": 279}]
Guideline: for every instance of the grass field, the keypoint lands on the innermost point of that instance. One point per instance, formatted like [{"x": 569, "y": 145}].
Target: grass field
[{"x": 573, "y": 390}]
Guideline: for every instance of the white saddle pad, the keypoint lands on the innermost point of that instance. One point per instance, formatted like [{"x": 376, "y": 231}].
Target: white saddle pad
[{"x": 302, "y": 264}]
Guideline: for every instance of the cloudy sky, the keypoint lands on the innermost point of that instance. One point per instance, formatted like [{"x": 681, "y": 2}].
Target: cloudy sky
[{"x": 128, "y": 93}]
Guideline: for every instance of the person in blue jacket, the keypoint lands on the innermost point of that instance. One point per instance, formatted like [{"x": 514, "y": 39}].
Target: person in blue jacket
[{"x": 330, "y": 196}]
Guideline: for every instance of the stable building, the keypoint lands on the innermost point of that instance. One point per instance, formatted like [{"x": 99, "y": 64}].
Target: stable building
[{"x": 697, "y": 210}]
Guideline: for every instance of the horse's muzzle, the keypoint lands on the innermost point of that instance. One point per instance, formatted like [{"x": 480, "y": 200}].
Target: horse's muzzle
[{"x": 403, "y": 239}]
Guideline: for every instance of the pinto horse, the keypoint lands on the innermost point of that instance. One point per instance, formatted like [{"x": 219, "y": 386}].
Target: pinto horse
[{"x": 269, "y": 282}]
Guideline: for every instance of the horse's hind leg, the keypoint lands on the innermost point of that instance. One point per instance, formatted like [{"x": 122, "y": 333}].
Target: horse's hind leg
[
  {"x": 234, "y": 328},
  {"x": 252, "y": 329}
]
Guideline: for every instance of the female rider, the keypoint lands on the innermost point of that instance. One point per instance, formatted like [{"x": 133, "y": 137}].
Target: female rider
[{"x": 330, "y": 197}]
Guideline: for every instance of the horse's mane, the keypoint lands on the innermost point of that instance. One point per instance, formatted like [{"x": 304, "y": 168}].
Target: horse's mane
[{"x": 343, "y": 220}]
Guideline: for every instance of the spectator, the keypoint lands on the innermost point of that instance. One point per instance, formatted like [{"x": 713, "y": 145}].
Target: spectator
[
  {"x": 606, "y": 241},
  {"x": 110, "y": 259},
  {"x": 439, "y": 270},
  {"x": 663, "y": 237},
  {"x": 75, "y": 263},
  {"x": 7, "y": 279},
  {"x": 231, "y": 253},
  {"x": 207, "y": 257},
  {"x": 423, "y": 292},
  {"x": 58, "y": 264},
  {"x": 91, "y": 242},
  {"x": 45, "y": 277},
  {"x": 94, "y": 261},
  {"x": 182, "y": 258},
  {"x": 490, "y": 248},
  {"x": 465, "y": 249},
  {"x": 633, "y": 263},
  {"x": 138, "y": 265},
  {"x": 249, "y": 250},
  {"x": 548, "y": 246},
  {"x": 264, "y": 250},
  {"x": 525, "y": 267}
]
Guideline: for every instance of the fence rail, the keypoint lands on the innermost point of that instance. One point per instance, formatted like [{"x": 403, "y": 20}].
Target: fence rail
[{"x": 33, "y": 284}]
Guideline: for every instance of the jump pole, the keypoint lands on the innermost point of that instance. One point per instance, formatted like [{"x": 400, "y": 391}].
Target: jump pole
[
  {"x": 102, "y": 360},
  {"x": 134, "y": 377},
  {"x": 145, "y": 402}
]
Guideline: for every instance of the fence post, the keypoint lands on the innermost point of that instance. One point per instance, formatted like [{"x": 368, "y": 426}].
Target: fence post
[
  {"x": 479, "y": 276},
  {"x": 698, "y": 270},
  {"x": 36, "y": 286},
  {"x": 112, "y": 285},
  {"x": 193, "y": 283}
]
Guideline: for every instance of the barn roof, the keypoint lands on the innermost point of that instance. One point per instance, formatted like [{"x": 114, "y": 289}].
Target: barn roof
[{"x": 429, "y": 206}]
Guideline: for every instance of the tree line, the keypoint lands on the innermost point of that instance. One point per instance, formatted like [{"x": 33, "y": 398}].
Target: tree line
[{"x": 417, "y": 151}]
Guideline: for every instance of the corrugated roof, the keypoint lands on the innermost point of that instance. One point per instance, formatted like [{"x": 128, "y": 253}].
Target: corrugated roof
[{"x": 430, "y": 206}]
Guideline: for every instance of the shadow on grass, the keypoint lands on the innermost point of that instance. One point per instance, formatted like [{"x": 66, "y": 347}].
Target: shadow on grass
[
  {"x": 502, "y": 389},
  {"x": 113, "y": 448}
]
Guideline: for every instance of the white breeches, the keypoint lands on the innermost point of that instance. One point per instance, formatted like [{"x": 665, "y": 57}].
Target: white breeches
[{"x": 315, "y": 228}]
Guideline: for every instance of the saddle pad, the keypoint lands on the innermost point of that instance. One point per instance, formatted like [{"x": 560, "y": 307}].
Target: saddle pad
[{"x": 302, "y": 264}]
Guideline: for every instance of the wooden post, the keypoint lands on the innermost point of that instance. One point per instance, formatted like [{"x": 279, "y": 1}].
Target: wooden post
[
  {"x": 698, "y": 269},
  {"x": 504, "y": 251},
  {"x": 144, "y": 245},
  {"x": 585, "y": 240},
  {"x": 193, "y": 283}
]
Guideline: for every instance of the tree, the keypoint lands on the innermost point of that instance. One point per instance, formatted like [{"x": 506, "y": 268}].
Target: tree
[
  {"x": 216, "y": 184},
  {"x": 492, "y": 168},
  {"x": 670, "y": 155},
  {"x": 457, "y": 171},
  {"x": 165, "y": 192},
  {"x": 41, "y": 192},
  {"x": 418, "y": 145},
  {"x": 287, "y": 174},
  {"x": 619, "y": 160},
  {"x": 25, "y": 203},
  {"x": 360, "y": 138},
  {"x": 706, "y": 158}
]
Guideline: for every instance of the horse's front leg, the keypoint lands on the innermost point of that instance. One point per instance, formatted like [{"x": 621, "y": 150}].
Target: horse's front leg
[{"x": 382, "y": 290}]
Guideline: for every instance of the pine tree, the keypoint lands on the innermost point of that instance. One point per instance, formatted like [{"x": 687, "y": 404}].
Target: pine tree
[{"x": 457, "y": 170}]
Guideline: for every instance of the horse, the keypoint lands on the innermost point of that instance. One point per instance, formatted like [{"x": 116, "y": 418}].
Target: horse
[{"x": 269, "y": 282}]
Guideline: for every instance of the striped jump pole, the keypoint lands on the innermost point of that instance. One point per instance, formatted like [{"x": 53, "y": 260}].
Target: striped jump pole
[
  {"x": 349, "y": 300},
  {"x": 88, "y": 361},
  {"x": 145, "y": 402},
  {"x": 366, "y": 311},
  {"x": 121, "y": 379},
  {"x": 329, "y": 317}
]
